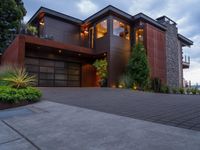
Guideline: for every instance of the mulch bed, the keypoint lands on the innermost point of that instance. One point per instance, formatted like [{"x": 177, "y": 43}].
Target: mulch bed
[{"x": 9, "y": 105}]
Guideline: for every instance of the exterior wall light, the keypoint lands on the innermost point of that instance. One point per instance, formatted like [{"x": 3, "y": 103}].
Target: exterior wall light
[{"x": 59, "y": 51}]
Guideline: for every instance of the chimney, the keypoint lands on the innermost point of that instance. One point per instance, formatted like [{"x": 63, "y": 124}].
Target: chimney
[{"x": 166, "y": 21}]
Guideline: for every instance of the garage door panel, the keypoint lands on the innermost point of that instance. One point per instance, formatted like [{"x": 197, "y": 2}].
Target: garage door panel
[{"x": 54, "y": 73}]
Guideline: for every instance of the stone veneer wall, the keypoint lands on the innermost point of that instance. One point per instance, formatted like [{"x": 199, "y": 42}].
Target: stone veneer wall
[{"x": 173, "y": 50}]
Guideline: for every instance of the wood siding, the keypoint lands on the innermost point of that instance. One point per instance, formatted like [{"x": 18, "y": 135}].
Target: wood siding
[
  {"x": 155, "y": 45},
  {"x": 61, "y": 31}
]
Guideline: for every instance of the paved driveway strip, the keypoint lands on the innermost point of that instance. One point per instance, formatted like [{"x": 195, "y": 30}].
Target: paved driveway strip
[
  {"x": 64, "y": 127},
  {"x": 176, "y": 110}
]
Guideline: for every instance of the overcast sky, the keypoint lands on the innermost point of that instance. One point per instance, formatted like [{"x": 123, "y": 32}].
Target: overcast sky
[{"x": 186, "y": 13}]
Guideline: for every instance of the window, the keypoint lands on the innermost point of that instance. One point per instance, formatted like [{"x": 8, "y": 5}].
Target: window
[
  {"x": 139, "y": 36},
  {"x": 101, "y": 29},
  {"x": 91, "y": 37},
  {"x": 120, "y": 29}
]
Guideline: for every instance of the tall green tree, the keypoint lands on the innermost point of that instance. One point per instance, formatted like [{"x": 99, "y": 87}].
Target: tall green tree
[
  {"x": 12, "y": 13},
  {"x": 137, "y": 68}
]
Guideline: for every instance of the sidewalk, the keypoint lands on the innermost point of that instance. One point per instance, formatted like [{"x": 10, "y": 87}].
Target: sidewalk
[{"x": 56, "y": 126}]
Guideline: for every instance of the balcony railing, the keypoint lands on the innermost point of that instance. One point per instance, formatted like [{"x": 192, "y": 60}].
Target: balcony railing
[{"x": 186, "y": 62}]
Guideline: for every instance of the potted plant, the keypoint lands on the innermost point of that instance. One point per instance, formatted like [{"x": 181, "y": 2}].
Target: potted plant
[{"x": 102, "y": 71}]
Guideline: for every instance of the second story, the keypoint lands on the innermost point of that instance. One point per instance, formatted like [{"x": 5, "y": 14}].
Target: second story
[{"x": 108, "y": 29}]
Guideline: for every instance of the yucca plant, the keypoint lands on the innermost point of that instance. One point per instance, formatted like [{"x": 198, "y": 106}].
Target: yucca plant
[{"x": 19, "y": 78}]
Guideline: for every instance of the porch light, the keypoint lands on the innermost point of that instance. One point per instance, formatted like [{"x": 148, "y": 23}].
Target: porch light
[
  {"x": 42, "y": 23},
  {"x": 59, "y": 51}
]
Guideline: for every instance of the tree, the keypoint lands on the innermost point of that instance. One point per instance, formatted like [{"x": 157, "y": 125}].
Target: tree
[
  {"x": 137, "y": 68},
  {"x": 12, "y": 13}
]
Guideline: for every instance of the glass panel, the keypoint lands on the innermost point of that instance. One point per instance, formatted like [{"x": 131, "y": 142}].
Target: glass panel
[
  {"x": 101, "y": 29},
  {"x": 32, "y": 61},
  {"x": 73, "y": 77},
  {"x": 60, "y": 83},
  {"x": 73, "y": 83},
  {"x": 60, "y": 77},
  {"x": 73, "y": 66},
  {"x": 47, "y": 69},
  {"x": 46, "y": 83},
  {"x": 59, "y": 64},
  {"x": 120, "y": 29},
  {"x": 61, "y": 70},
  {"x": 74, "y": 72},
  {"x": 46, "y": 76},
  {"x": 46, "y": 63},
  {"x": 139, "y": 36},
  {"x": 32, "y": 68}
]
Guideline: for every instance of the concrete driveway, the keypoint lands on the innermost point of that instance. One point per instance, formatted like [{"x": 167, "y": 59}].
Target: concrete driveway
[
  {"x": 175, "y": 110},
  {"x": 52, "y": 126}
]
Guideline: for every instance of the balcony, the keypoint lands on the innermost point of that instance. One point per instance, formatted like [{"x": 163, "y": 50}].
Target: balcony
[{"x": 186, "y": 62}]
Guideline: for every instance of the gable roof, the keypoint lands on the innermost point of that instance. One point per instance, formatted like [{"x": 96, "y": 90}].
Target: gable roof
[{"x": 56, "y": 14}]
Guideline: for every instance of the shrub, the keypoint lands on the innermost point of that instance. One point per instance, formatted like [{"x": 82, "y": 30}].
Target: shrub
[
  {"x": 181, "y": 91},
  {"x": 156, "y": 84},
  {"x": 175, "y": 90},
  {"x": 194, "y": 91},
  {"x": 165, "y": 89},
  {"x": 13, "y": 95},
  {"x": 102, "y": 71},
  {"x": 126, "y": 81},
  {"x": 188, "y": 91},
  {"x": 17, "y": 77},
  {"x": 32, "y": 30}
]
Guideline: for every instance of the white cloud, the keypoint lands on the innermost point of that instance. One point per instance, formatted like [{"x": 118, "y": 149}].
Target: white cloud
[{"x": 87, "y": 7}]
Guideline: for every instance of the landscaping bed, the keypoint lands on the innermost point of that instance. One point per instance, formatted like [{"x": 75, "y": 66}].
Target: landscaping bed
[{"x": 16, "y": 88}]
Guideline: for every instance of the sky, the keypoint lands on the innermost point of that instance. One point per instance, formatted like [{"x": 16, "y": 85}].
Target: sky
[{"x": 186, "y": 13}]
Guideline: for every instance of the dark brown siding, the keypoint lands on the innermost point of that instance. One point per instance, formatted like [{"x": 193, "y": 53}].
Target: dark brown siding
[
  {"x": 89, "y": 78},
  {"x": 155, "y": 45},
  {"x": 61, "y": 31}
]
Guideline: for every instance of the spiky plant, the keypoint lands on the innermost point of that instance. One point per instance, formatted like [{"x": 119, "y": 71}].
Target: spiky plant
[{"x": 19, "y": 78}]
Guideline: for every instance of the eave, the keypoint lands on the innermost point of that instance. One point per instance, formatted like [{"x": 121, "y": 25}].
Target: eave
[{"x": 185, "y": 41}]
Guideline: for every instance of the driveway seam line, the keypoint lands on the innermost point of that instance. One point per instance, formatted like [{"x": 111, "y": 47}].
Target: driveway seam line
[
  {"x": 33, "y": 144},
  {"x": 10, "y": 141}
]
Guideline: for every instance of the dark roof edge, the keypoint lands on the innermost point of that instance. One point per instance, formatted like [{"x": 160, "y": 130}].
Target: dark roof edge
[
  {"x": 56, "y": 14},
  {"x": 106, "y": 9},
  {"x": 185, "y": 40},
  {"x": 150, "y": 20}
]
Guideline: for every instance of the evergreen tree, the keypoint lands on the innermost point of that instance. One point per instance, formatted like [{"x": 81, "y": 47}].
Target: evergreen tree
[
  {"x": 137, "y": 68},
  {"x": 12, "y": 12}
]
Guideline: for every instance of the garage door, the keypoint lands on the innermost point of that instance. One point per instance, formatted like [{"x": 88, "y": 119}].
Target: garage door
[{"x": 54, "y": 73}]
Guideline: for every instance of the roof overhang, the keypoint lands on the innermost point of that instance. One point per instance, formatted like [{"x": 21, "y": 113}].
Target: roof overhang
[
  {"x": 149, "y": 20},
  {"x": 55, "y": 14},
  {"x": 185, "y": 41},
  {"x": 109, "y": 9}
]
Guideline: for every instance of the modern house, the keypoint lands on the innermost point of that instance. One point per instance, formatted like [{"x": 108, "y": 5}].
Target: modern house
[{"x": 65, "y": 48}]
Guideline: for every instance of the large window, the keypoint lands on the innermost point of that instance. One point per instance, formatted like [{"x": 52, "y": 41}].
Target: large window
[
  {"x": 139, "y": 36},
  {"x": 101, "y": 29},
  {"x": 120, "y": 29}
]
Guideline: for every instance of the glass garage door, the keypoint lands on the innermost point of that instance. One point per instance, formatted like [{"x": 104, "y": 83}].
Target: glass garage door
[{"x": 54, "y": 73}]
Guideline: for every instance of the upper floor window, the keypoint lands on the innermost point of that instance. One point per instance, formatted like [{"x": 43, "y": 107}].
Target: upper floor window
[
  {"x": 139, "y": 36},
  {"x": 101, "y": 29},
  {"x": 120, "y": 29}
]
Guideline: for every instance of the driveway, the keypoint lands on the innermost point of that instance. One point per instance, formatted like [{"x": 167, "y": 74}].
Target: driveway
[
  {"x": 52, "y": 126},
  {"x": 175, "y": 110}
]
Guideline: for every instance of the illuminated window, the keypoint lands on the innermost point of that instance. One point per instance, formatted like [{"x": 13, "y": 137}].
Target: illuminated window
[
  {"x": 101, "y": 29},
  {"x": 139, "y": 36},
  {"x": 91, "y": 37},
  {"x": 120, "y": 29}
]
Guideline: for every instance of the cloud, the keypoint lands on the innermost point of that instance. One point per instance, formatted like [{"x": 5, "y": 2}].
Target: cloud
[{"x": 87, "y": 7}]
